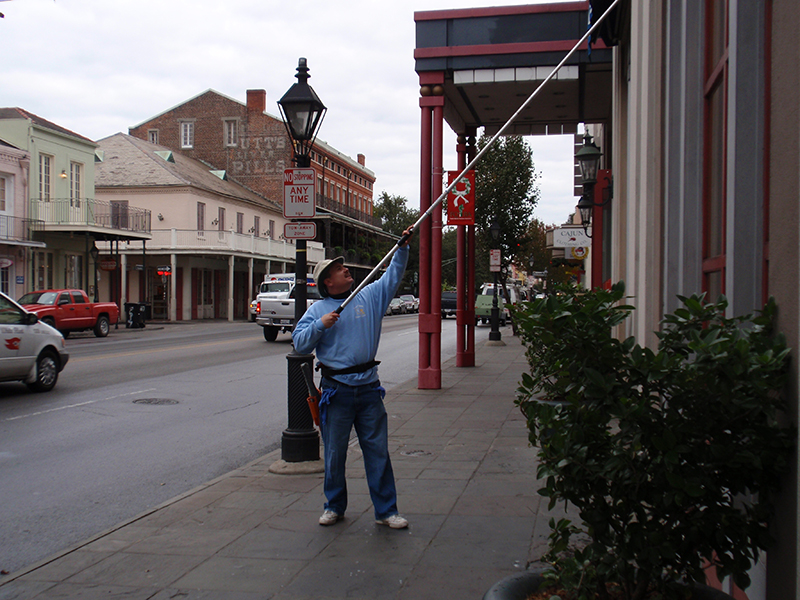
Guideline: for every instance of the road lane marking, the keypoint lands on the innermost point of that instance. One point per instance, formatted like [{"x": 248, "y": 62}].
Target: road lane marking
[
  {"x": 153, "y": 350},
  {"x": 78, "y": 405}
]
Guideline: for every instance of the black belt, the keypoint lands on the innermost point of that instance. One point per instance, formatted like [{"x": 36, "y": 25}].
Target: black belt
[{"x": 328, "y": 372}]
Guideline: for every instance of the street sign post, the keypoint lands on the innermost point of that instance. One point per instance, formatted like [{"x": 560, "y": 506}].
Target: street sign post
[
  {"x": 300, "y": 231},
  {"x": 494, "y": 260},
  {"x": 299, "y": 193}
]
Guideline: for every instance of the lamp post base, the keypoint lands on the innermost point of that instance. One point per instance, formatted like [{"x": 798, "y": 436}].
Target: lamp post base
[
  {"x": 494, "y": 336},
  {"x": 300, "y": 440},
  {"x": 300, "y": 446}
]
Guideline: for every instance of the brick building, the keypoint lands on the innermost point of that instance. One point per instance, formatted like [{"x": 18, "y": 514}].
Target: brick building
[{"x": 253, "y": 148}]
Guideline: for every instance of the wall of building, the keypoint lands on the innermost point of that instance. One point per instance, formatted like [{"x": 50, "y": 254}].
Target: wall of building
[
  {"x": 14, "y": 165},
  {"x": 262, "y": 150},
  {"x": 784, "y": 265},
  {"x": 638, "y": 202}
]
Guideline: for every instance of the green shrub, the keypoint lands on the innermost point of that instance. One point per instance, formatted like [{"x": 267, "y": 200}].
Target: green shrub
[{"x": 670, "y": 457}]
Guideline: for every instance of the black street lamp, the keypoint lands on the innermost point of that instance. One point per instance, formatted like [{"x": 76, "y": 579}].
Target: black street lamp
[
  {"x": 588, "y": 158},
  {"x": 494, "y": 334},
  {"x": 302, "y": 113}
]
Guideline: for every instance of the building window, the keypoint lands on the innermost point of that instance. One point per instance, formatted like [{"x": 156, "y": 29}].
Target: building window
[
  {"x": 271, "y": 229},
  {"x": 201, "y": 217},
  {"x": 221, "y": 219},
  {"x": 239, "y": 222},
  {"x": 5, "y": 280},
  {"x": 3, "y": 194},
  {"x": 714, "y": 154},
  {"x": 75, "y": 183},
  {"x": 187, "y": 134},
  {"x": 45, "y": 177},
  {"x": 152, "y": 136},
  {"x": 231, "y": 137},
  {"x": 73, "y": 271},
  {"x": 43, "y": 267},
  {"x": 119, "y": 214},
  {"x": 257, "y": 226}
]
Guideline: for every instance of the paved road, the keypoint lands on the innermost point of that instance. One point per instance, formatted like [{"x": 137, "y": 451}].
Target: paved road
[{"x": 142, "y": 416}]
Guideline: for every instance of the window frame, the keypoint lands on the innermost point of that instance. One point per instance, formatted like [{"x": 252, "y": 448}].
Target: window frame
[
  {"x": 187, "y": 134},
  {"x": 4, "y": 195},
  {"x": 76, "y": 179},
  {"x": 152, "y": 136},
  {"x": 201, "y": 217},
  {"x": 46, "y": 162},
  {"x": 715, "y": 150},
  {"x": 230, "y": 132}
]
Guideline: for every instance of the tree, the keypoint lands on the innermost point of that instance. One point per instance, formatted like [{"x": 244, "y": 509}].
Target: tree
[
  {"x": 396, "y": 217},
  {"x": 394, "y": 213},
  {"x": 506, "y": 192}
]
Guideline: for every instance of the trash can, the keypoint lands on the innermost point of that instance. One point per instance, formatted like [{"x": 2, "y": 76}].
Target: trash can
[{"x": 135, "y": 313}]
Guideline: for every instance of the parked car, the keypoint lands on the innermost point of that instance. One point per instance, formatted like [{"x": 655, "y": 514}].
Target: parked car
[
  {"x": 71, "y": 310},
  {"x": 483, "y": 309},
  {"x": 485, "y": 300},
  {"x": 449, "y": 304},
  {"x": 397, "y": 307},
  {"x": 30, "y": 351},
  {"x": 411, "y": 302}
]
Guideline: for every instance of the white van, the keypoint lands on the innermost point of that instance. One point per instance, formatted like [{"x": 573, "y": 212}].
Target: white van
[{"x": 275, "y": 303}]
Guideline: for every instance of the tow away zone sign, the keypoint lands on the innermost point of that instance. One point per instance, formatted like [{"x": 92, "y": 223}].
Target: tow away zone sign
[
  {"x": 300, "y": 231},
  {"x": 299, "y": 192}
]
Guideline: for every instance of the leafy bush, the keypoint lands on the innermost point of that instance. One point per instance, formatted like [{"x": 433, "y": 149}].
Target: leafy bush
[{"x": 669, "y": 456}]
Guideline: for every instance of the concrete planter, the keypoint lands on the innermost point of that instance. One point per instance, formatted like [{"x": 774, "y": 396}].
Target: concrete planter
[{"x": 520, "y": 585}]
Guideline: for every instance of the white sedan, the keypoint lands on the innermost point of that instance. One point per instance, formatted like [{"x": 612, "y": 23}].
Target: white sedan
[{"x": 30, "y": 351}]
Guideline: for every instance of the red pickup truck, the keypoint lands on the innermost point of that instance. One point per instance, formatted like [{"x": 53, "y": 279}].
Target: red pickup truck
[{"x": 71, "y": 310}]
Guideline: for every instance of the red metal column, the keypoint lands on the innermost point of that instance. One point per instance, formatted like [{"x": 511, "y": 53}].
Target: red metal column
[
  {"x": 465, "y": 312},
  {"x": 430, "y": 273},
  {"x": 472, "y": 150},
  {"x": 603, "y": 179}
]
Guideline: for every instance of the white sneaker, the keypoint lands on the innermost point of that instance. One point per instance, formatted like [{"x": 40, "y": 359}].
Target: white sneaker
[
  {"x": 394, "y": 521},
  {"x": 328, "y": 517}
]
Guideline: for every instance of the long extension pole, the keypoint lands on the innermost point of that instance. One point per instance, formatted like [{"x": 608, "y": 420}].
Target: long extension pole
[{"x": 472, "y": 163}]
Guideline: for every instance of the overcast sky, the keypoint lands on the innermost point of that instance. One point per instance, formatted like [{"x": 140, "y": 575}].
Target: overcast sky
[{"x": 98, "y": 67}]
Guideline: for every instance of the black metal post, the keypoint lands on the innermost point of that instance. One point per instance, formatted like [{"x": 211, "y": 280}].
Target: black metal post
[
  {"x": 300, "y": 440},
  {"x": 494, "y": 334}
]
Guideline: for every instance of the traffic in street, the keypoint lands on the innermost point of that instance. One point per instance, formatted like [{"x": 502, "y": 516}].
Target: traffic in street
[{"x": 144, "y": 415}]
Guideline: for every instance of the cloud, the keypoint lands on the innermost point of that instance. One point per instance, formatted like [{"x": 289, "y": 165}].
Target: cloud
[{"x": 98, "y": 67}]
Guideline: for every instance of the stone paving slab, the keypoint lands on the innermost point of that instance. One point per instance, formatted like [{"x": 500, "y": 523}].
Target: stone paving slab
[{"x": 465, "y": 478}]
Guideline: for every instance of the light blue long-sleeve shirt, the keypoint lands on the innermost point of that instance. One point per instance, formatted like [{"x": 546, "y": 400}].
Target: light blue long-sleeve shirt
[{"x": 353, "y": 339}]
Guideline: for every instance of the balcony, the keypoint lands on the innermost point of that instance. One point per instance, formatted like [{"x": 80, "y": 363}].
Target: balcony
[
  {"x": 18, "y": 231},
  {"x": 88, "y": 214},
  {"x": 192, "y": 241},
  {"x": 348, "y": 211}
]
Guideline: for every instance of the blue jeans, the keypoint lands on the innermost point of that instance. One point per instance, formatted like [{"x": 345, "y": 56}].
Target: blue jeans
[{"x": 362, "y": 407}]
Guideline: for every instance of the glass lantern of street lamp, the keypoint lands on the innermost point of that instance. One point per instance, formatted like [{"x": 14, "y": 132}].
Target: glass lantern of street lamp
[
  {"x": 94, "y": 252},
  {"x": 302, "y": 113},
  {"x": 494, "y": 230},
  {"x": 585, "y": 207},
  {"x": 588, "y": 160}
]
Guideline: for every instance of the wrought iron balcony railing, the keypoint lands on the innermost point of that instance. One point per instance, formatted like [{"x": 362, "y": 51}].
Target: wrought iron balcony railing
[
  {"x": 348, "y": 211},
  {"x": 224, "y": 242},
  {"x": 17, "y": 229},
  {"x": 90, "y": 212}
]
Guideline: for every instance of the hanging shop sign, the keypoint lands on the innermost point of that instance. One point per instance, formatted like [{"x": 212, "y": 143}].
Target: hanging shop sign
[
  {"x": 570, "y": 237},
  {"x": 461, "y": 199}
]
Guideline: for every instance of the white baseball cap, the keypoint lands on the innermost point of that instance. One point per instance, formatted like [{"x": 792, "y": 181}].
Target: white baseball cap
[{"x": 319, "y": 273}]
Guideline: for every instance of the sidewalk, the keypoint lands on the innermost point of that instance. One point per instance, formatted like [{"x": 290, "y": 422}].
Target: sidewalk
[{"x": 465, "y": 480}]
